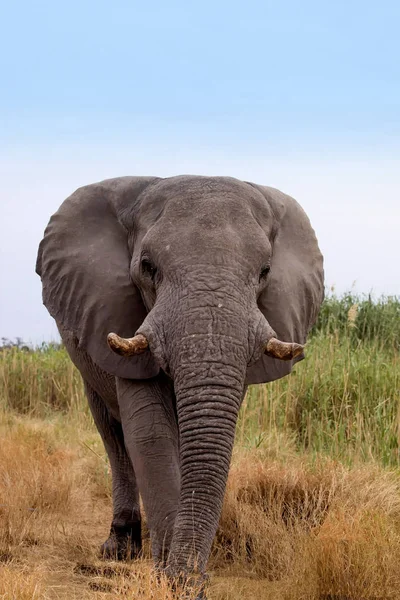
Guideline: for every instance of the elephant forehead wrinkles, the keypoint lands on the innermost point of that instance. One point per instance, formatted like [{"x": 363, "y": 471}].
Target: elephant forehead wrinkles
[
  {"x": 208, "y": 212},
  {"x": 222, "y": 246}
]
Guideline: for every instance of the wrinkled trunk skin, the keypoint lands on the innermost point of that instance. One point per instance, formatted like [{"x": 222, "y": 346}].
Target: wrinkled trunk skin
[{"x": 208, "y": 368}]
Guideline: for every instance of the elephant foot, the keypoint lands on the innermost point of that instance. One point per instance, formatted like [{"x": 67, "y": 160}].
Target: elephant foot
[{"x": 123, "y": 543}]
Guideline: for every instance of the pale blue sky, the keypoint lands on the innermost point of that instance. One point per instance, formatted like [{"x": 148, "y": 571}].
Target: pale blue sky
[{"x": 302, "y": 96}]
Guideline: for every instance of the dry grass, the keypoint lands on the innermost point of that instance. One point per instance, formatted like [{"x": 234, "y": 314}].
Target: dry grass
[
  {"x": 316, "y": 529},
  {"x": 293, "y": 527},
  {"x": 19, "y": 585}
]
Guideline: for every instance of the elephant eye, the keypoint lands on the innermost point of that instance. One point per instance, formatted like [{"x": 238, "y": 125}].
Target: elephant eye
[
  {"x": 148, "y": 268},
  {"x": 264, "y": 272}
]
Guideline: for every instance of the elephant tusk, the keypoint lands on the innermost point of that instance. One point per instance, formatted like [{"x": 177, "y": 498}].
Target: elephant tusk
[
  {"x": 127, "y": 346},
  {"x": 283, "y": 350}
]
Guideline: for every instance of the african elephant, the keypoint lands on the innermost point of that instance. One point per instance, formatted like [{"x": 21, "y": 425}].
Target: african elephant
[{"x": 208, "y": 274}]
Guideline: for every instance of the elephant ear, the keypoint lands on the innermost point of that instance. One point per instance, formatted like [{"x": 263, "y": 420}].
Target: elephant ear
[
  {"x": 295, "y": 289},
  {"x": 84, "y": 263}
]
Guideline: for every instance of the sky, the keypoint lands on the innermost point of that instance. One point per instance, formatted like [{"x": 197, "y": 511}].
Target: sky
[{"x": 304, "y": 97}]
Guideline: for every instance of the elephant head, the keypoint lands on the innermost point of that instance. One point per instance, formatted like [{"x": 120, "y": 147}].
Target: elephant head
[{"x": 215, "y": 281}]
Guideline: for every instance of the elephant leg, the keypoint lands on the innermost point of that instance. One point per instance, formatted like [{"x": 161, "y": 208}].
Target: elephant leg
[
  {"x": 125, "y": 540},
  {"x": 148, "y": 417}
]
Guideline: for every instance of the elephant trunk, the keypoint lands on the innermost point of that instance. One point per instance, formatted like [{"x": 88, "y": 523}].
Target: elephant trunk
[
  {"x": 207, "y": 415},
  {"x": 209, "y": 374}
]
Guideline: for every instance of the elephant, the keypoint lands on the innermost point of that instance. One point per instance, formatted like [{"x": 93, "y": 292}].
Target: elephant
[{"x": 171, "y": 296}]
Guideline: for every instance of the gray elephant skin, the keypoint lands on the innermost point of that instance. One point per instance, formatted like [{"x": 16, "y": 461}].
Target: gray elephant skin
[{"x": 204, "y": 272}]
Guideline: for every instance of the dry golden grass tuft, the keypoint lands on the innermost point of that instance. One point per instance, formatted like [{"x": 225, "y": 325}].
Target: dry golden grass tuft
[
  {"x": 37, "y": 484},
  {"x": 317, "y": 529},
  {"x": 20, "y": 585},
  {"x": 293, "y": 527}
]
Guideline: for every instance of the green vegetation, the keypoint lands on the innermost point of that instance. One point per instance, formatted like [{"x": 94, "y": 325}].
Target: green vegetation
[
  {"x": 343, "y": 400},
  {"x": 361, "y": 319}
]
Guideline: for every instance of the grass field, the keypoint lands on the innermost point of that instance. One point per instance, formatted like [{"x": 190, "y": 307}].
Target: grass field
[{"x": 312, "y": 508}]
